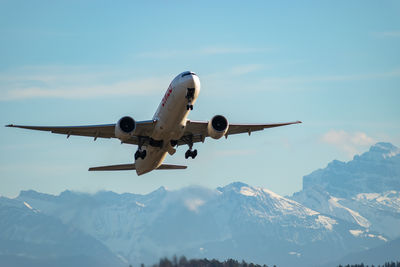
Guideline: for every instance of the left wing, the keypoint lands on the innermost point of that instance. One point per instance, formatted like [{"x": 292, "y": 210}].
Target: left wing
[
  {"x": 143, "y": 128},
  {"x": 196, "y": 131}
]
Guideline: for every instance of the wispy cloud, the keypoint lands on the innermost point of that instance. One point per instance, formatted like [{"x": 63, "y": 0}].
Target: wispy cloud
[
  {"x": 74, "y": 83},
  {"x": 350, "y": 142},
  {"x": 304, "y": 82},
  {"x": 238, "y": 152},
  {"x": 204, "y": 51},
  {"x": 388, "y": 34},
  {"x": 193, "y": 204},
  {"x": 245, "y": 69},
  {"x": 333, "y": 78}
]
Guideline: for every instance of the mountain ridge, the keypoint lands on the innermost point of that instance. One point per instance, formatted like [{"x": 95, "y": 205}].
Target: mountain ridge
[
  {"x": 313, "y": 226},
  {"x": 197, "y": 222}
]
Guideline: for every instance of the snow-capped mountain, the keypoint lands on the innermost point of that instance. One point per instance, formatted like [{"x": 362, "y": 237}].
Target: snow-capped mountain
[
  {"x": 30, "y": 238},
  {"x": 344, "y": 208},
  {"x": 375, "y": 171},
  {"x": 237, "y": 221},
  {"x": 365, "y": 191}
]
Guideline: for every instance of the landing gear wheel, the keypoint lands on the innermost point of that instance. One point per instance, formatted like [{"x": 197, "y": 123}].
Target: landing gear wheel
[
  {"x": 191, "y": 154},
  {"x": 140, "y": 154}
]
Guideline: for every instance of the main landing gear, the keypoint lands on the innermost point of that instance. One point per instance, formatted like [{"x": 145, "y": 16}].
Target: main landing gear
[
  {"x": 140, "y": 153},
  {"x": 190, "y": 153},
  {"x": 189, "y": 97}
]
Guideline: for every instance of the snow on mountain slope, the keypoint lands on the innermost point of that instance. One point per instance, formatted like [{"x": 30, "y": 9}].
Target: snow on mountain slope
[
  {"x": 381, "y": 209},
  {"x": 327, "y": 204},
  {"x": 365, "y": 191},
  {"x": 199, "y": 222},
  {"x": 344, "y": 208}
]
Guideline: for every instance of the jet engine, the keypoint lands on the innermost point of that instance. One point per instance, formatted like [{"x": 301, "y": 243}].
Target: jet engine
[
  {"x": 124, "y": 128},
  {"x": 217, "y": 126}
]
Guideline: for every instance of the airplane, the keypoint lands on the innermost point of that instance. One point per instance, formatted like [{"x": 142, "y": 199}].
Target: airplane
[{"x": 169, "y": 128}]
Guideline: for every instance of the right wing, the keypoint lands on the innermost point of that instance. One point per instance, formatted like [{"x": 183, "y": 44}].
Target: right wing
[
  {"x": 196, "y": 131},
  {"x": 143, "y": 128}
]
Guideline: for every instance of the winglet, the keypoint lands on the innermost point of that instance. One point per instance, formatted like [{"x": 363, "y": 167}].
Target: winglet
[{"x": 9, "y": 125}]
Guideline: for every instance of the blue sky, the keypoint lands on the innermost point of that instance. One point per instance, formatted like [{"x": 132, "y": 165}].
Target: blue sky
[{"x": 335, "y": 65}]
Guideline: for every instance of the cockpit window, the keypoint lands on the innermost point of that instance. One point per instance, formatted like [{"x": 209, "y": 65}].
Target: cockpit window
[{"x": 186, "y": 73}]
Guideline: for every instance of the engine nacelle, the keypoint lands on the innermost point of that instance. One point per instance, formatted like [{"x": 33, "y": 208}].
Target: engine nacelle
[
  {"x": 124, "y": 128},
  {"x": 217, "y": 126}
]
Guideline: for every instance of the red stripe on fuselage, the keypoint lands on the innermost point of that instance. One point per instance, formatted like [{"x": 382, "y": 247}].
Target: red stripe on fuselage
[{"x": 167, "y": 94}]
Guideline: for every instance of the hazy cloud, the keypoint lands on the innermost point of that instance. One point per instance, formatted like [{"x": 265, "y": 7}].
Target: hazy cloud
[
  {"x": 74, "y": 83},
  {"x": 235, "y": 152},
  {"x": 333, "y": 78},
  {"x": 350, "y": 142},
  {"x": 193, "y": 204},
  {"x": 245, "y": 69},
  {"x": 389, "y": 34},
  {"x": 304, "y": 82}
]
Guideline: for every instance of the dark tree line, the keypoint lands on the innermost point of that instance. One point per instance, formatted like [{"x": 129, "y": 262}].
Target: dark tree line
[
  {"x": 183, "y": 262},
  {"x": 386, "y": 264}
]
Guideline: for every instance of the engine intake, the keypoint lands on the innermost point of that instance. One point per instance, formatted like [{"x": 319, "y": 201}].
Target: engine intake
[
  {"x": 124, "y": 128},
  {"x": 217, "y": 126}
]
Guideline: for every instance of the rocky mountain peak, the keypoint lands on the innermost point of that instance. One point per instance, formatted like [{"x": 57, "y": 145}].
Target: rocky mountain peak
[
  {"x": 377, "y": 170},
  {"x": 385, "y": 149},
  {"x": 235, "y": 186}
]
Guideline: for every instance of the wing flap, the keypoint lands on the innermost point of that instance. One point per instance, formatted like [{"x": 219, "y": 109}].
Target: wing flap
[
  {"x": 103, "y": 131},
  {"x": 143, "y": 128}
]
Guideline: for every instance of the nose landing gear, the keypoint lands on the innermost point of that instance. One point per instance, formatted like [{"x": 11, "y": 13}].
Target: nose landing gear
[{"x": 189, "y": 97}]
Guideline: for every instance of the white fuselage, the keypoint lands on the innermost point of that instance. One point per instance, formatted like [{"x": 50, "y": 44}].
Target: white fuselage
[{"x": 170, "y": 117}]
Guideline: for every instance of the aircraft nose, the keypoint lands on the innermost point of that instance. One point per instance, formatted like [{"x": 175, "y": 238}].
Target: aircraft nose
[
  {"x": 195, "y": 81},
  {"x": 191, "y": 80}
]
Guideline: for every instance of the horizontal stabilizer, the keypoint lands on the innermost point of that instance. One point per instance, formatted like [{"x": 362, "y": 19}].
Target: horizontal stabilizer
[
  {"x": 126, "y": 167},
  {"x": 120, "y": 167},
  {"x": 171, "y": 167}
]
